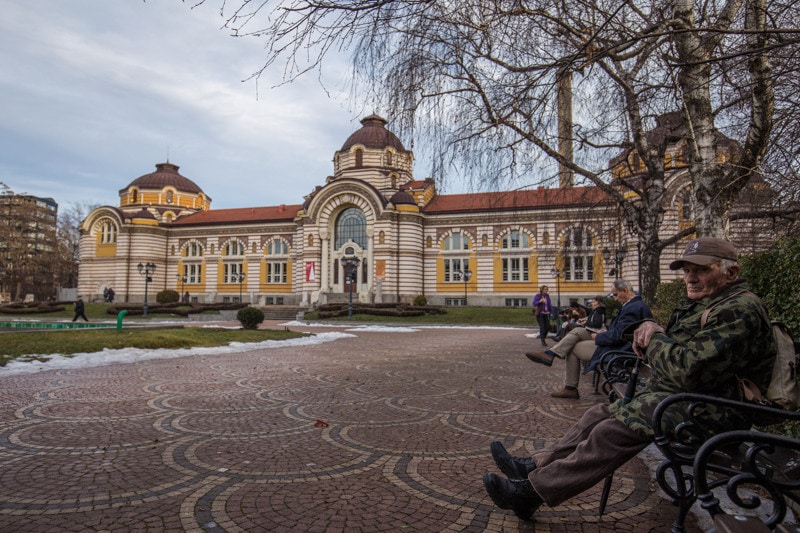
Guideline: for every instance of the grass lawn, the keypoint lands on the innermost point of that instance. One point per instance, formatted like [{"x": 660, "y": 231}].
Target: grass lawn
[
  {"x": 472, "y": 316},
  {"x": 68, "y": 342}
]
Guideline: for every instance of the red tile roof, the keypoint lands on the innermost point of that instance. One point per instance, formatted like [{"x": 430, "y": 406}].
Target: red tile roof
[
  {"x": 517, "y": 200},
  {"x": 242, "y": 215}
]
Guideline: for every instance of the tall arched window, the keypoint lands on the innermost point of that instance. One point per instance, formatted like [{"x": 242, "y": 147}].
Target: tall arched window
[
  {"x": 515, "y": 249},
  {"x": 359, "y": 157},
  {"x": 455, "y": 260},
  {"x": 351, "y": 225},
  {"x": 233, "y": 253},
  {"x": 193, "y": 262},
  {"x": 277, "y": 261},
  {"x": 578, "y": 255},
  {"x": 108, "y": 232},
  {"x": 686, "y": 206}
]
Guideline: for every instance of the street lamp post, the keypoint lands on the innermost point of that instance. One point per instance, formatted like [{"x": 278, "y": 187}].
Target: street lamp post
[
  {"x": 558, "y": 274},
  {"x": 147, "y": 270},
  {"x": 465, "y": 275},
  {"x": 241, "y": 277},
  {"x": 619, "y": 256},
  {"x": 350, "y": 267},
  {"x": 181, "y": 280}
]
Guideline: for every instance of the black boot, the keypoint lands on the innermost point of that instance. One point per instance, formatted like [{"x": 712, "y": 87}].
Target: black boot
[
  {"x": 517, "y": 495},
  {"x": 513, "y": 467}
]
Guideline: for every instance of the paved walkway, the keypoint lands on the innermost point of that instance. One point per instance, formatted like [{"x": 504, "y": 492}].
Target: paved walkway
[{"x": 382, "y": 431}]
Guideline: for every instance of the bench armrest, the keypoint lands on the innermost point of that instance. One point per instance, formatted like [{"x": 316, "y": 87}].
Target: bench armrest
[
  {"x": 768, "y": 466},
  {"x": 675, "y": 474}
]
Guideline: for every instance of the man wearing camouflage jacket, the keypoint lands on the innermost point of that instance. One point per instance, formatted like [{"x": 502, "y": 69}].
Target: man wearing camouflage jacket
[{"x": 735, "y": 341}]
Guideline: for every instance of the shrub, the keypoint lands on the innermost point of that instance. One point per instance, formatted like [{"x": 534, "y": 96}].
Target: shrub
[
  {"x": 612, "y": 307},
  {"x": 669, "y": 296},
  {"x": 250, "y": 317},
  {"x": 168, "y": 296},
  {"x": 420, "y": 301},
  {"x": 774, "y": 276}
]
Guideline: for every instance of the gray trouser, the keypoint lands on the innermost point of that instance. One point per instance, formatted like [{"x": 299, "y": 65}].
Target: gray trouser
[
  {"x": 591, "y": 450},
  {"x": 576, "y": 346}
]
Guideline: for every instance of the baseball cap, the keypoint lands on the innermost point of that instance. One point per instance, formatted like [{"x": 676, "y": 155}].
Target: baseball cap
[{"x": 704, "y": 251}]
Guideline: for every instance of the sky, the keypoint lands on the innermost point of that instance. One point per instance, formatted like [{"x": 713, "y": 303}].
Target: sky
[{"x": 95, "y": 93}]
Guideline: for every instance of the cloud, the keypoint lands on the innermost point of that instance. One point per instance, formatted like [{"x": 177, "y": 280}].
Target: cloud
[{"x": 96, "y": 93}]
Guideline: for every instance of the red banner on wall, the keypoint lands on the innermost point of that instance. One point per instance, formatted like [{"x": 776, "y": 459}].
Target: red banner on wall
[{"x": 311, "y": 274}]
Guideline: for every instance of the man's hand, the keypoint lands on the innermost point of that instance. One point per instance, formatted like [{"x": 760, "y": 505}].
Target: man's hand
[{"x": 642, "y": 336}]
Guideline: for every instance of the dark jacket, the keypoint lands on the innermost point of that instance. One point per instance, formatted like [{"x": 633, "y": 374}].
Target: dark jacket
[
  {"x": 736, "y": 341},
  {"x": 634, "y": 310},
  {"x": 596, "y": 318},
  {"x": 79, "y": 307}
]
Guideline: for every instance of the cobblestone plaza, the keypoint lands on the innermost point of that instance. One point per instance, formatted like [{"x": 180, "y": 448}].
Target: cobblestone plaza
[{"x": 383, "y": 430}]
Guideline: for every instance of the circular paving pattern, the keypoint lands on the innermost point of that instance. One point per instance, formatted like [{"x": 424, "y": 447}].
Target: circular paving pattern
[{"x": 382, "y": 431}]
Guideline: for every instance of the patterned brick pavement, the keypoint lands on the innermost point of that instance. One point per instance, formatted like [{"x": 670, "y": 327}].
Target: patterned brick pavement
[{"x": 232, "y": 442}]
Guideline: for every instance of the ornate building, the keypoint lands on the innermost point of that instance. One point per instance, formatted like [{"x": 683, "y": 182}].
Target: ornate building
[{"x": 407, "y": 239}]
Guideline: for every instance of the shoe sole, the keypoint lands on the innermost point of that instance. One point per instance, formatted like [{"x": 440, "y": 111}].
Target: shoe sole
[{"x": 576, "y": 397}]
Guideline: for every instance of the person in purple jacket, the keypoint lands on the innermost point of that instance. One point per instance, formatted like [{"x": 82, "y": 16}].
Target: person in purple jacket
[{"x": 542, "y": 308}]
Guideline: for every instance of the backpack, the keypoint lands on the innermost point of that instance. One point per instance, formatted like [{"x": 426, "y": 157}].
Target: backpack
[{"x": 783, "y": 391}]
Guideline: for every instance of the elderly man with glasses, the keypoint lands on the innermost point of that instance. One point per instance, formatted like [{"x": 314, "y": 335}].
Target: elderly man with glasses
[{"x": 582, "y": 344}]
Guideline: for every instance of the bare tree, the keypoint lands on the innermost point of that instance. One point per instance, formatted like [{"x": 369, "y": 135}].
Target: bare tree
[
  {"x": 67, "y": 256},
  {"x": 479, "y": 81}
]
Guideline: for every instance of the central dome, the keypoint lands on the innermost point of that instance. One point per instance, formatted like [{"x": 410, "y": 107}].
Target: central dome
[
  {"x": 373, "y": 134},
  {"x": 166, "y": 175}
]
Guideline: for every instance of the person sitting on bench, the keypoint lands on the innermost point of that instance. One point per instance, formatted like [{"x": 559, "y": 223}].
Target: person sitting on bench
[
  {"x": 589, "y": 345},
  {"x": 736, "y": 341}
]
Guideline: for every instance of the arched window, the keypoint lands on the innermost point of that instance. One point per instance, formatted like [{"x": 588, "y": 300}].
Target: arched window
[
  {"x": 351, "y": 225},
  {"x": 515, "y": 251},
  {"x": 515, "y": 239},
  {"x": 193, "y": 262},
  {"x": 233, "y": 253},
  {"x": 686, "y": 206},
  {"x": 169, "y": 197},
  {"x": 359, "y": 153},
  {"x": 456, "y": 241},
  {"x": 388, "y": 158},
  {"x": 233, "y": 248},
  {"x": 193, "y": 249},
  {"x": 108, "y": 232},
  {"x": 277, "y": 261},
  {"x": 311, "y": 240},
  {"x": 455, "y": 260},
  {"x": 578, "y": 255},
  {"x": 134, "y": 196}
]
